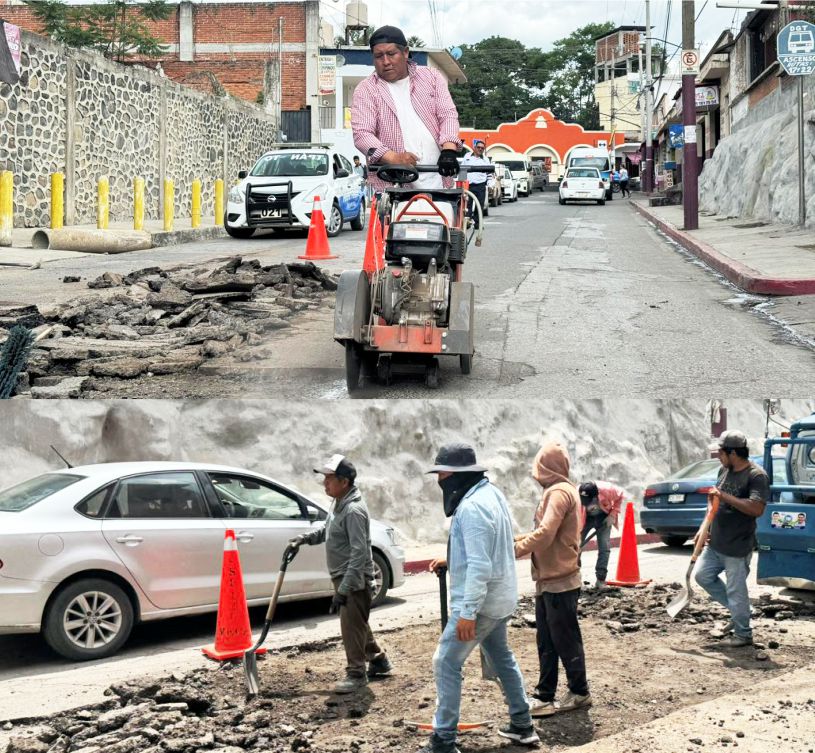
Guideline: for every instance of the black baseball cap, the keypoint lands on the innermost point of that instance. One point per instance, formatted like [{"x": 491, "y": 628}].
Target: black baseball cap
[
  {"x": 588, "y": 491},
  {"x": 339, "y": 466},
  {"x": 388, "y": 35},
  {"x": 731, "y": 440}
]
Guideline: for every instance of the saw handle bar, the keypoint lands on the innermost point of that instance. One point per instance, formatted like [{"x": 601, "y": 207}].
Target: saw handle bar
[{"x": 410, "y": 173}]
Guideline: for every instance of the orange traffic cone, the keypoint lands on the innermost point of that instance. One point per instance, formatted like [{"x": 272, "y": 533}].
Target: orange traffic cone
[
  {"x": 317, "y": 244},
  {"x": 370, "y": 262},
  {"x": 628, "y": 566},
  {"x": 233, "y": 635}
]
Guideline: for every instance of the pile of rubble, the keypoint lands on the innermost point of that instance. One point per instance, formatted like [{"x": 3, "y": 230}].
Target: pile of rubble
[{"x": 154, "y": 321}]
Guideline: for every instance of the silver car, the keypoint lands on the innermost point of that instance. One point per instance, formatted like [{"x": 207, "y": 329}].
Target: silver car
[{"x": 87, "y": 552}]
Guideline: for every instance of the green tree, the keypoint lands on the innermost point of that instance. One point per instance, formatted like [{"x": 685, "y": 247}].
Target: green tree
[
  {"x": 565, "y": 76},
  {"x": 119, "y": 29},
  {"x": 414, "y": 42},
  {"x": 496, "y": 89}
]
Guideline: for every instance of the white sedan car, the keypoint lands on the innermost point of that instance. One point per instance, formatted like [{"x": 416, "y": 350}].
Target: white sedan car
[
  {"x": 509, "y": 183},
  {"x": 582, "y": 184},
  {"x": 278, "y": 193},
  {"x": 87, "y": 552}
]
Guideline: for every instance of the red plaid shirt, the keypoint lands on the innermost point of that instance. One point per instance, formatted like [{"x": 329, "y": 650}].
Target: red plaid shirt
[{"x": 374, "y": 120}]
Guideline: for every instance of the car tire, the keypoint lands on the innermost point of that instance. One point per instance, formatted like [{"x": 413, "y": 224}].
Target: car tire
[
  {"x": 673, "y": 540},
  {"x": 358, "y": 223},
  {"x": 333, "y": 224},
  {"x": 609, "y": 196},
  {"x": 561, "y": 201},
  {"x": 382, "y": 573},
  {"x": 238, "y": 232},
  {"x": 601, "y": 202},
  {"x": 84, "y": 597}
]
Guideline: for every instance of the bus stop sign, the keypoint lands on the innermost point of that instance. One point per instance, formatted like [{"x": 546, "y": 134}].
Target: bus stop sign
[{"x": 796, "y": 48}]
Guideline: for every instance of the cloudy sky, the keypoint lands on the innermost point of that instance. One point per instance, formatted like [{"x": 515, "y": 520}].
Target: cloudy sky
[{"x": 536, "y": 23}]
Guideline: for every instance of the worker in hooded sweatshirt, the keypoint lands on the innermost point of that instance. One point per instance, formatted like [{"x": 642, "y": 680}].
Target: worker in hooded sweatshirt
[{"x": 555, "y": 548}]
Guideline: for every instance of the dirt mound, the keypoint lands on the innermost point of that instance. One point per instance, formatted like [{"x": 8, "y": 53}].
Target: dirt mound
[{"x": 635, "y": 676}]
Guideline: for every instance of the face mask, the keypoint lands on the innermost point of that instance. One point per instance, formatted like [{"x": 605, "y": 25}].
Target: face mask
[{"x": 454, "y": 488}]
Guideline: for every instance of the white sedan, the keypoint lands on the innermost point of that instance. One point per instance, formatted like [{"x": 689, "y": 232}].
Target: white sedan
[
  {"x": 87, "y": 552},
  {"x": 582, "y": 184}
]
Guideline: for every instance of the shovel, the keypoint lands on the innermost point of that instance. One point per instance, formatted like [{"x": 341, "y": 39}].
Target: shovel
[
  {"x": 250, "y": 661},
  {"x": 683, "y": 598}
]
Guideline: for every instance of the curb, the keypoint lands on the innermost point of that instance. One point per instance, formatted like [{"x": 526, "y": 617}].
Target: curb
[
  {"x": 420, "y": 566},
  {"x": 188, "y": 235},
  {"x": 739, "y": 274}
]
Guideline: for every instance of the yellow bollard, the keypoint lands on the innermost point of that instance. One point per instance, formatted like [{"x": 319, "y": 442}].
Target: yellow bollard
[
  {"x": 219, "y": 202},
  {"x": 57, "y": 200},
  {"x": 196, "y": 203},
  {"x": 169, "y": 204},
  {"x": 103, "y": 203},
  {"x": 6, "y": 207},
  {"x": 138, "y": 203}
]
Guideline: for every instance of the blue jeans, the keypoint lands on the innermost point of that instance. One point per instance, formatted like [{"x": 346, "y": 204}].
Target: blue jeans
[
  {"x": 733, "y": 594},
  {"x": 603, "y": 547},
  {"x": 448, "y": 661}
]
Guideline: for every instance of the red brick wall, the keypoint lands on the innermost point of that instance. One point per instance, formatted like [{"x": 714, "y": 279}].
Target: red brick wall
[{"x": 240, "y": 73}]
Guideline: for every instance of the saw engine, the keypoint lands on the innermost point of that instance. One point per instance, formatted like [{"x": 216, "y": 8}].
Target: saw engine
[{"x": 407, "y": 296}]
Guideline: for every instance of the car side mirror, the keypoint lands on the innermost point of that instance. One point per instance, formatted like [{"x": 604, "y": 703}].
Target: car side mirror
[
  {"x": 242, "y": 174},
  {"x": 341, "y": 173},
  {"x": 313, "y": 514}
]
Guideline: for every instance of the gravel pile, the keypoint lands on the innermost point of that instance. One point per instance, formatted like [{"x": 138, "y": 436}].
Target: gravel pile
[{"x": 155, "y": 321}]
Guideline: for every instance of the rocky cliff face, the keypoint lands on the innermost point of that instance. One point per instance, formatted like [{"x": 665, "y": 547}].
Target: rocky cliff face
[
  {"x": 392, "y": 442},
  {"x": 754, "y": 171}
]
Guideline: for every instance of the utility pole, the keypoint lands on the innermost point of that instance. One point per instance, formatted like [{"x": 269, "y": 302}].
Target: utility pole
[
  {"x": 649, "y": 109},
  {"x": 690, "y": 162},
  {"x": 613, "y": 86}
]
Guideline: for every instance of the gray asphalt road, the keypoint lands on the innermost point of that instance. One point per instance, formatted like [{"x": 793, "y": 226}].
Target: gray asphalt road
[{"x": 572, "y": 301}]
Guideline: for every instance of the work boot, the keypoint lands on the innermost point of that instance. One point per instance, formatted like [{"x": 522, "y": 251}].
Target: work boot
[
  {"x": 721, "y": 632},
  {"x": 572, "y": 701},
  {"x": 539, "y": 708},
  {"x": 350, "y": 684},
  {"x": 737, "y": 641},
  {"x": 520, "y": 735},
  {"x": 600, "y": 585},
  {"x": 380, "y": 667},
  {"x": 436, "y": 745}
]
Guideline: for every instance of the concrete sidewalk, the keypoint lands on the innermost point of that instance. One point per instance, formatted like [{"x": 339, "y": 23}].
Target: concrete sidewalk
[
  {"x": 418, "y": 558},
  {"x": 21, "y": 253},
  {"x": 758, "y": 257}
]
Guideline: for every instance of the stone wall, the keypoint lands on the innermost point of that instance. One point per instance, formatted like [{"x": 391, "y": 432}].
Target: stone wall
[{"x": 75, "y": 112}]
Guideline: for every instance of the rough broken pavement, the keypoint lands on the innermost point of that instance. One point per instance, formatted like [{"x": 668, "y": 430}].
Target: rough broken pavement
[
  {"x": 637, "y": 675},
  {"x": 154, "y": 321}
]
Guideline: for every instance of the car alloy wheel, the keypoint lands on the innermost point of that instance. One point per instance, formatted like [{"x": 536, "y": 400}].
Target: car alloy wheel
[
  {"x": 88, "y": 619},
  {"x": 334, "y": 221}
]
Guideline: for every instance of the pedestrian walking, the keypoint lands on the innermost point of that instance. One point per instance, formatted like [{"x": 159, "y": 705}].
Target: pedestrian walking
[
  {"x": 742, "y": 488},
  {"x": 477, "y": 181},
  {"x": 403, "y": 114},
  {"x": 624, "y": 182},
  {"x": 601, "y": 503},
  {"x": 555, "y": 548},
  {"x": 347, "y": 537},
  {"x": 483, "y": 596}
]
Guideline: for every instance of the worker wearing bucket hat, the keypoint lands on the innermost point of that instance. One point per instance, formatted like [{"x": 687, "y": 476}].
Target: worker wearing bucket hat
[
  {"x": 483, "y": 596},
  {"x": 743, "y": 489}
]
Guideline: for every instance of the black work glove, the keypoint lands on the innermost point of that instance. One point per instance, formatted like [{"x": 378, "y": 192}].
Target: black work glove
[
  {"x": 339, "y": 600},
  {"x": 297, "y": 541},
  {"x": 448, "y": 163}
]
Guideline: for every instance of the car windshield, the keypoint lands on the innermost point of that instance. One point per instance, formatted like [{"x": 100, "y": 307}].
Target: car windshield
[
  {"x": 699, "y": 469},
  {"x": 601, "y": 163},
  {"x": 35, "y": 490},
  {"x": 516, "y": 166},
  {"x": 584, "y": 173},
  {"x": 291, "y": 164}
]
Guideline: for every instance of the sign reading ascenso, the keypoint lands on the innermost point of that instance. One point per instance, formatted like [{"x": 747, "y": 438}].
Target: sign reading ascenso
[{"x": 796, "y": 48}]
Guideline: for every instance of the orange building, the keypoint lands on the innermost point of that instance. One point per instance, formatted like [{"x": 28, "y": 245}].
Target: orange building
[{"x": 542, "y": 137}]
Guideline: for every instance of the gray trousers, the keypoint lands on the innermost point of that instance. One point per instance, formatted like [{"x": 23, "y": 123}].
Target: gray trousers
[{"x": 357, "y": 638}]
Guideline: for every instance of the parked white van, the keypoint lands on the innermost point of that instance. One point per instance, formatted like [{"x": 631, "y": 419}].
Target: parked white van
[
  {"x": 588, "y": 156},
  {"x": 521, "y": 168}
]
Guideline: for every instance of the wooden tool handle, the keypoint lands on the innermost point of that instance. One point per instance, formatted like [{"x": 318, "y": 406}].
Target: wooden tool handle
[{"x": 701, "y": 536}]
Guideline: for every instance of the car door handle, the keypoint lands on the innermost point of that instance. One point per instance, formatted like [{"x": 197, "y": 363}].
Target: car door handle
[
  {"x": 244, "y": 536},
  {"x": 130, "y": 540}
]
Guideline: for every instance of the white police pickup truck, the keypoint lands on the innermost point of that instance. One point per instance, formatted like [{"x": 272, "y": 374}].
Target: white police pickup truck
[{"x": 278, "y": 192}]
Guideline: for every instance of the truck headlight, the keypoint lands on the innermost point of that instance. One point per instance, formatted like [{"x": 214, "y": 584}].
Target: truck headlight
[{"x": 236, "y": 195}]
